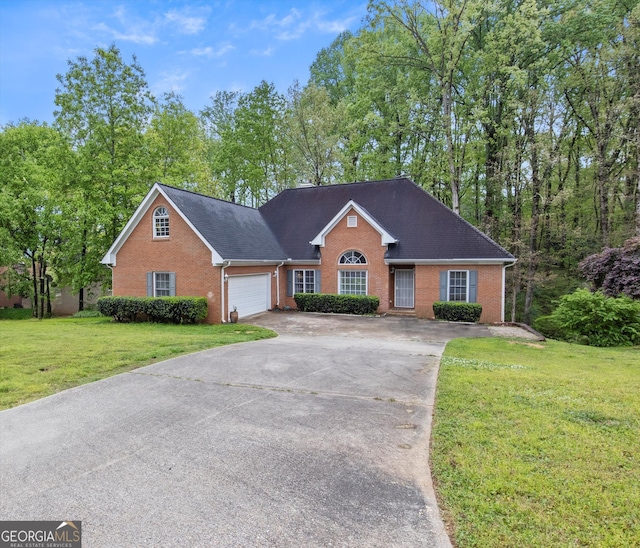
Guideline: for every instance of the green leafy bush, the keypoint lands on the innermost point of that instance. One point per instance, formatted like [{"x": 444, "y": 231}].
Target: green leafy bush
[
  {"x": 87, "y": 314},
  {"x": 547, "y": 326},
  {"x": 457, "y": 312},
  {"x": 154, "y": 309},
  {"x": 337, "y": 304},
  {"x": 594, "y": 319}
]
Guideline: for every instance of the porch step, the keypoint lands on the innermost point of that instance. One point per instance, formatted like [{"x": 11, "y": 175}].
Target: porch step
[{"x": 401, "y": 312}]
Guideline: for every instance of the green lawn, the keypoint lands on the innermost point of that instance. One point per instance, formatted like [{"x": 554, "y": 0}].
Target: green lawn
[
  {"x": 38, "y": 358},
  {"x": 538, "y": 444}
]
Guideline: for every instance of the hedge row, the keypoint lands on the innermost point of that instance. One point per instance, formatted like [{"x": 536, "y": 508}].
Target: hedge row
[
  {"x": 154, "y": 309},
  {"x": 457, "y": 312},
  {"x": 337, "y": 304}
]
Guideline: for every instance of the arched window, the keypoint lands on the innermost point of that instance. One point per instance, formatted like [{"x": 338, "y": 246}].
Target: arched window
[
  {"x": 352, "y": 257},
  {"x": 161, "y": 222}
]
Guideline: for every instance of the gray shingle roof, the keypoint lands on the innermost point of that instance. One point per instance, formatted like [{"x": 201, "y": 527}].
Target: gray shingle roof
[
  {"x": 236, "y": 232},
  {"x": 424, "y": 227}
]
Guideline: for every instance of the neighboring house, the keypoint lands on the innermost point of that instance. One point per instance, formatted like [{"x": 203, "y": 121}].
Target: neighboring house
[{"x": 385, "y": 238}]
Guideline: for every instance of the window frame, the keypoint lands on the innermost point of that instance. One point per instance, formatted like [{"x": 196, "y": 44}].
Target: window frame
[
  {"x": 352, "y": 221},
  {"x": 349, "y": 255},
  {"x": 342, "y": 278},
  {"x": 163, "y": 289},
  {"x": 305, "y": 282},
  {"x": 450, "y": 286},
  {"x": 161, "y": 224}
]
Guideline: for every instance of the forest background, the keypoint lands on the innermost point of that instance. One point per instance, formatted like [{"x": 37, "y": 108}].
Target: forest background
[{"x": 522, "y": 116}]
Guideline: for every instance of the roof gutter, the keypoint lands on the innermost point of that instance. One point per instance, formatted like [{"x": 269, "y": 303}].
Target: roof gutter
[{"x": 446, "y": 261}]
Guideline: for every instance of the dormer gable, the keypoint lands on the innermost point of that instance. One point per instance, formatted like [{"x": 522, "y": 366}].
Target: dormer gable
[{"x": 347, "y": 210}]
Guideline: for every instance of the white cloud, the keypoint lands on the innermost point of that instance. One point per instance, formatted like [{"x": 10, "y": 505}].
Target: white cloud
[
  {"x": 210, "y": 52},
  {"x": 131, "y": 34},
  {"x": 295, "y": 24},
  {"x": 170, "y": 81},
  {"x": 186, "y": 23},
  {"x": 263, "y": 53}
]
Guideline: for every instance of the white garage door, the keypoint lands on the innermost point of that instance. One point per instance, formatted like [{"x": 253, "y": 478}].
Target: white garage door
[{"x": 250, "y": 294}]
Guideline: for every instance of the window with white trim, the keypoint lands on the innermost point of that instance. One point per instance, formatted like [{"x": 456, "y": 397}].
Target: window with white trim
[
  {"x": 161, "y": 284},
  {"x": 352, "y": 257},
  {"x": 352, "y": 221},
  {"x": 353, "y": 282},
  {"x": 458, "y": 285},
  {"x": 161, "y": 222},
  {"x": 304, "y": 281}
]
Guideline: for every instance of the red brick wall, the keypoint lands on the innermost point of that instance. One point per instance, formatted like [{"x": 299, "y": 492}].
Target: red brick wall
[
  {"x": 363, "y": 238},
  {"x": 183, "y": 253},
  {"x": 427, "y": 282}
]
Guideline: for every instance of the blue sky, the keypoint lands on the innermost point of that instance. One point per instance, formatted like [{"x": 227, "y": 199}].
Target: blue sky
[{"x": 194, "y": 48}]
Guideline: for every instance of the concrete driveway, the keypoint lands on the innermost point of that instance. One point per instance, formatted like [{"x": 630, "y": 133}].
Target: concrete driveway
[{"x": 318, "y": 437}]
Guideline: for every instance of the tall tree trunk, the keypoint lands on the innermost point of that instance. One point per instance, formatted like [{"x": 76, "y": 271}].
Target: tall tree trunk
[
  {"x": 536, "y": 186},
  {"x": 34, "y": 279},
  {"x": 447, "y": 122},
  {"x": 49, "y": 311}
]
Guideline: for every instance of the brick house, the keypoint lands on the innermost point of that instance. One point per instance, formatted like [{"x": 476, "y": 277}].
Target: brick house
[{"x": 385, "y": 238}]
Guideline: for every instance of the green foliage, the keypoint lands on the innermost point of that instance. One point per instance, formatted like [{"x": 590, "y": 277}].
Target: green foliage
[
  {"x": 103, "y": 109},
  {"x": 593, "y": 319},
  {"x": 457, "y": 312},
  {"x": 87, "y": 314},
  {"x": 16, "y": 313},
  {"x": 337, "y": 304},
  {"x": 177, "y": 147},
  {"x": 154, "y": 309}
]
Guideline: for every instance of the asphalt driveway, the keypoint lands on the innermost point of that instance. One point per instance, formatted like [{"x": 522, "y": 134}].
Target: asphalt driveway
[{"x": 318, "y": 437}]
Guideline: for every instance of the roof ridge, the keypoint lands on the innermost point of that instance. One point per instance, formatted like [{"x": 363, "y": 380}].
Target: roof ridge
[{"x": 206, "y": 196}]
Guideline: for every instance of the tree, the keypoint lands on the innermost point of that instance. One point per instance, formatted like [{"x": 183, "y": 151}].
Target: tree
[
  {"x": 249, "y": 151},
  {"x": 33, "y": 164},
  {"x": 177, "y": 147},
  {"x": 615, "y": 271},
  {"x": 223, "y": 151},
  {"x": 103, "y": 109},
  {"x": 314, "y": 129},
  {"x": 440, "y": 34}
]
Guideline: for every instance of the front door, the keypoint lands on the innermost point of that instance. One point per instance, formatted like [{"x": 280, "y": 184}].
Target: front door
[{"x": 404, "y": 288}]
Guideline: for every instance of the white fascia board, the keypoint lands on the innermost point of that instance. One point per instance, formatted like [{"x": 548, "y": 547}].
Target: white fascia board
[
  {"x": 249, "y": 262},
  {"x": 449, "y": 261},
  {"x": 386, "y": 238},
  {"x": 156, "y": 190}
]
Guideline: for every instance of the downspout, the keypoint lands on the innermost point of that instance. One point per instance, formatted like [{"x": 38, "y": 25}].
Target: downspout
[
  {"x": 504, "y": 286},
  {"x": 278, "y": 284},
  {"x": 223, "y": 316},
  {"x": 110, "y": 268}
]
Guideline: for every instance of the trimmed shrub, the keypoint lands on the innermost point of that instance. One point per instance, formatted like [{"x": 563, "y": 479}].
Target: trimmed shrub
[
  {"x": 457, "y": 312},
  {"x": 154, "y": 309},
  {"x": 87, "y": 314},
  {"x": 597, "y": 320},
  {"x": 336, "y": 304},
  {"x": 548, "y": 327}
]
